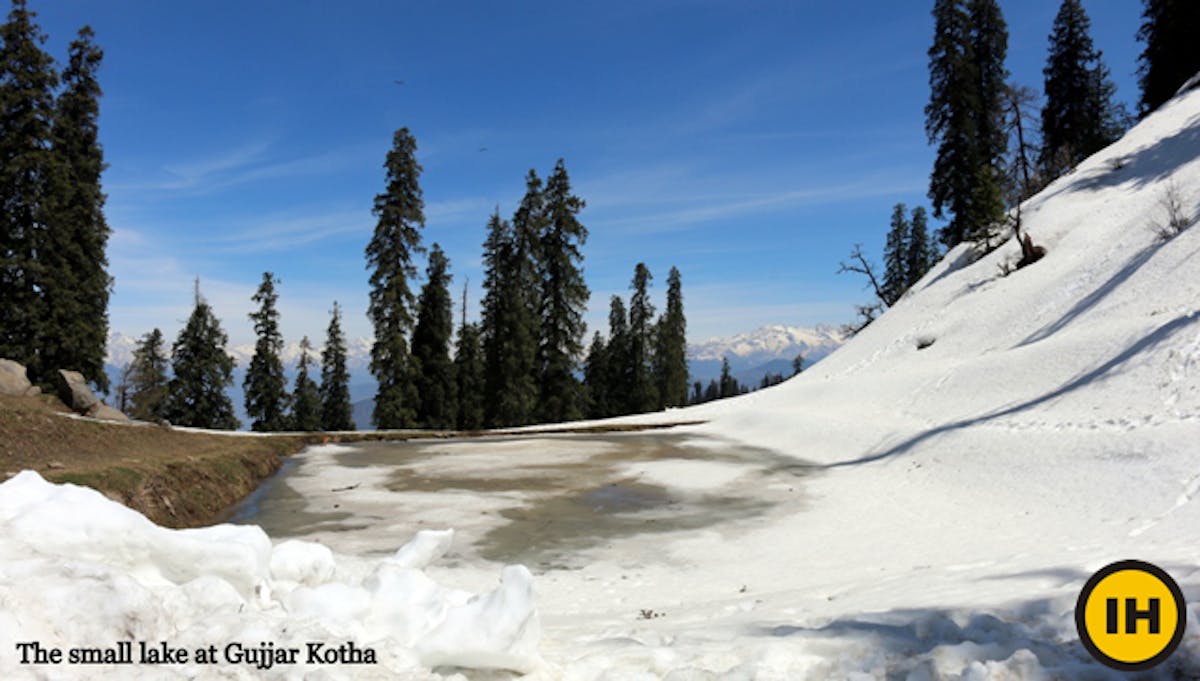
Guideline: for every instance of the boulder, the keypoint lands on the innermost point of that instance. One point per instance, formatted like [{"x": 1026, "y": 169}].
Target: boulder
[
  {"x": 104, "y": 412},
  {"x": 13, "y": 380},
  {"x": 73, "y": 390}
]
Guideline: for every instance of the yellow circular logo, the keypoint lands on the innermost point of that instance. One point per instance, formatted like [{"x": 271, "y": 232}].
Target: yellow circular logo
[{"x": 1130, "y": 615}]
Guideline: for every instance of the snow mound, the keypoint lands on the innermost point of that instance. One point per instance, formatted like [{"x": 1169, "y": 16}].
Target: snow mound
[{"x": 81, "y": 570}]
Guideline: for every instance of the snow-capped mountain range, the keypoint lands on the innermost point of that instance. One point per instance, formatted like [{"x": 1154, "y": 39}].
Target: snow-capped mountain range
[{"x": 770, "y": 342}]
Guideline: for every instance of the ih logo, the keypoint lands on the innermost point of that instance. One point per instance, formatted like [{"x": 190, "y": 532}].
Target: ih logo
[{"x": 1130, "y": 615}]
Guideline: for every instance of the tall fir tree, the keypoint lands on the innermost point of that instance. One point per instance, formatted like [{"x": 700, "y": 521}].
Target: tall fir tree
[
  {"x": 563, "y": 299},
  {"x": 1079, "y": 117},
  {"x": 642, "y": 393},
  {"x": 510, "y": 307},
  {"x": 400, "y": 211},
  {"x": 436, "y": 388},
  {"x": 305, "y": 412},
  {"x": 148, "y": 379},
  {"x": 617, "y": 359},
  {"x": 895, "y": 265},
  {"x": 336, "y": 410},
  {"x": 196, "y": 395},
  {"x": 989, "y": 35},
  {"x": 595, "y": 379},
  {"x": 920, "y": 253},
  {"x": 468, "y": 373},
  {"x": 964, "y": 116},
  {"x": 1169, "y": 58},
  {"x": 265, "y": 386},
  {"x": 77, "y": 283},
  {"x": 27, "y": 162},
  {"x": 670, "y": 351}
]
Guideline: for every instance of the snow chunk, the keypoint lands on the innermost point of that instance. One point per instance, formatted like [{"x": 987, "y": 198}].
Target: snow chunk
[{"x": 83, "y": 570}]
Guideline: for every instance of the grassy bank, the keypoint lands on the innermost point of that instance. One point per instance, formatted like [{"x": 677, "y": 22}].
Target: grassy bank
[{"x": 177, "y": 478}]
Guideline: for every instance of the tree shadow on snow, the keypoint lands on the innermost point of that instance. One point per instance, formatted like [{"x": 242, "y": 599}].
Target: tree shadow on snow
[
  {"x": 1147, "y": 342},
  {"x": 1144, "y": 166},
  {"x": 909, "y": 642}
]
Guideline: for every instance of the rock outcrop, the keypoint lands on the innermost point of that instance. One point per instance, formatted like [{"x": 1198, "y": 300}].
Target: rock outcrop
[
  {"x": 73, "y": 390},
  {"x": 14, "y": 381},
  {"x": 104, "y": 412}
]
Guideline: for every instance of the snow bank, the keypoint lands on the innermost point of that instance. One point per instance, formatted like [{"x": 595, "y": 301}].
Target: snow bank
[{"x": 80, "y": 570}]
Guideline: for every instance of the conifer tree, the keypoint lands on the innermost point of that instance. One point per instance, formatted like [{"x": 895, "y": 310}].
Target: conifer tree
[
  {"x": 510, "y": 326},
  {"x": 335, "y": 379},
  {"x": 401, "y": 215},
  {"x": 712, "y": 391},
  {"x": 27, "y": 82},
  {"x": 619, "y": 365},
  {"x": 920, "y": 254},
  {"x": 797, "y": 365},
  {"x": 468, "y": 373},
  {"x": 964, "y": 116},
  {"x": 595, "y": 379},
  {"x": 431, "y": 347},
  {"x": 642, "y": 391},
  {"x": 670, "y": 352},
  {"x": 895, "y": 272},
  {"x": 148, "y": 378},
  {"x": 728, "y": 384},
  {"x": 564, "y": 296},
  {"x": 1079, "y": 117},
  {"x": 305, "y": 415},
  {"x": 76, "y": 281},
  {"x": 265, "y": 385},
  {"x": 203, "y": 370},
  {"x": 1169, "y": 29}
]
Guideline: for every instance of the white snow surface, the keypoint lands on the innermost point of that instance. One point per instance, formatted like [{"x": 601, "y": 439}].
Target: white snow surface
[
  {"x": 81, "y": 570},
  {"x": 958, "y": 496}
]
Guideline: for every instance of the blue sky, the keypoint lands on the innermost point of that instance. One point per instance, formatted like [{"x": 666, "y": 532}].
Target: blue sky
[{"x": 748, "y": 143}]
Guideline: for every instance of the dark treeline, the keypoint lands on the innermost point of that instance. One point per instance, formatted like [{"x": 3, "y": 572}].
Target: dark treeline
[{"x": 642, "y": 366}]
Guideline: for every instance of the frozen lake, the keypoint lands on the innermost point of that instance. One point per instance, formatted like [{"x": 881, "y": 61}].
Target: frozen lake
[{"x": 548, "y": 502}]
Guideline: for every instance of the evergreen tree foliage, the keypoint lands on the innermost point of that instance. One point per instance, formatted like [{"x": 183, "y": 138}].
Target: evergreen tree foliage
[
  {"x": 895, "y": 250},
  {"x": 618, "y": 360},
  {"x": 1169, "y": 30},
  {"x": 1079, "y": 117},
  {"x": 964, "y": 116},
  {"x": 595, "y": 379},
  {"x": 77, "y": 284},
  {"x": 797, "y": 365},
  {"x": 27, "y": 162},
  {"x": 563, "y": 299},
  {"x": 468, "y": 375},
  {"x": 400, "y": 211},
  {"x": 147, "y": 383},
  {"x": 336, "y": 411},
  {"x": 670, "y": 352},
  {"x": 436, "y": 387},
  {"x": 728, "y": 385},
  {"x": 510, "y": 326},
  {"x": 920, "y": 254},
  {"x": 712, "y": 391},
  {"x": 642, "y": 393},
  {"x": 203, "y": 370},
  {"x": 305, "y": 415},
  {"x": 265, "y": 385}
]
